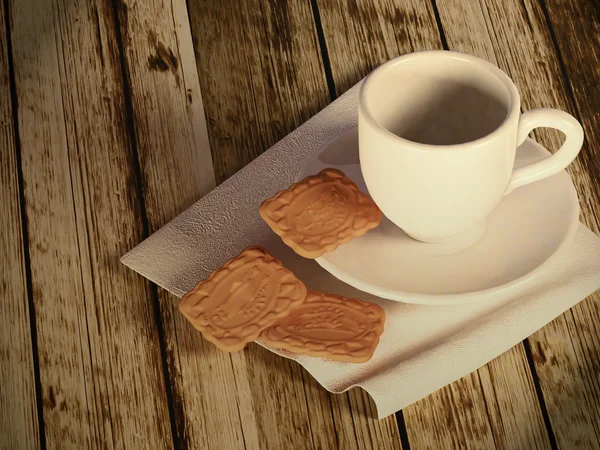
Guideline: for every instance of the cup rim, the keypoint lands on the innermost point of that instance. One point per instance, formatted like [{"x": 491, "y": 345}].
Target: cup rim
[{"x": 513, "y": 106}]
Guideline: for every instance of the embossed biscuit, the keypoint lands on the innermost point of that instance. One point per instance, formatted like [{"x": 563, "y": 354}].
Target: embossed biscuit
[
  {"x": 243, "y": 297},
  {"x": 320, "y": 213},
  {"x": 331, "y": 326}
]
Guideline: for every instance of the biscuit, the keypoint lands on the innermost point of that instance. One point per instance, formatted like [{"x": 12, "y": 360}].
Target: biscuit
[
  {"x": 243, "y": 297},
  {"x": 320, "y": 213},
  {"x": 331, "y": 326}
]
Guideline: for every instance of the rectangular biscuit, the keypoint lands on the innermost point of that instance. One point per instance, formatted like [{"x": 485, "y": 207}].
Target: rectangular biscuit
[
  {"x": 243, "y": 297},
  {"x": 330, "y": 326},
  {"x": 320, "y": 213}
]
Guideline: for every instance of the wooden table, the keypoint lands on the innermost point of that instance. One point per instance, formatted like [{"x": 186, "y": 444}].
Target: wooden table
[{"x": 102, "y": 143}]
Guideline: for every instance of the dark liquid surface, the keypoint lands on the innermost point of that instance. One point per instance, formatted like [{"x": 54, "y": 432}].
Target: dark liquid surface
[{"x": 456, "y": 114}]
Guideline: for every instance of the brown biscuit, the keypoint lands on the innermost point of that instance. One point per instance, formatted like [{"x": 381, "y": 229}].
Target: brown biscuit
[
  {"x": 243, "y": 297},
  {"x": 320, "y": 213},
  {"x": 331, "y": 326}
]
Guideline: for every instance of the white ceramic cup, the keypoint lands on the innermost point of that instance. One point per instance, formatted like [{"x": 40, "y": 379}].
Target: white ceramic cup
[{"x": 438, "y": 132}]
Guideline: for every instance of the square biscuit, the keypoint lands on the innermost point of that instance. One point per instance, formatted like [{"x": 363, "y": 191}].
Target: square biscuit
[
  {"x": 330, "y": 326},
  {"x": 320, "y": 213},
  {"x": 243, "y": 297}
]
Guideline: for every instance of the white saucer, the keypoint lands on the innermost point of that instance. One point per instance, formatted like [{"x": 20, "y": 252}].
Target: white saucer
[{"x": 526, "y": 229}]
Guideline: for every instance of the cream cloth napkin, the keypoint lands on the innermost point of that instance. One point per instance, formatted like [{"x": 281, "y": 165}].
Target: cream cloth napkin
[{"x": 423, "y": 348}]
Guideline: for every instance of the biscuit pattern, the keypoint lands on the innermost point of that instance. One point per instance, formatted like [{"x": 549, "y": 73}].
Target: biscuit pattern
[
  {"x": 320, "y": 213},
  {"x": 331, "y": 326},
  {"x": 239, "y": 300}
]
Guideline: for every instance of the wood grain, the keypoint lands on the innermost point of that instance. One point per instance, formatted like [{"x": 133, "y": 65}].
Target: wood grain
[
  {"x": 519, "y": 41},
  {"x": 362, "y": 35},
  {"x": 452, "y": 417},
  {"x": 100, "y": 367},
  {"x": 359, "y": 37},
  {"x": 370, "y": 433},
  {"x": 573, "y": 407},
  {"x": 576, "y": 29},
  {"x": 175, "y": 163},
  {"x": 18, "y": 404},
  {"x": 512, "y": 403},
  {"x": 566, "y": 385},
  {"x": 168, "y": 116},
  {"x": 261, "y": 74}
]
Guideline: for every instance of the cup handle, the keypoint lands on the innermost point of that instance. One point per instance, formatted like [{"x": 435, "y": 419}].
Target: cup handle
[{"x": 552, "y": 118}]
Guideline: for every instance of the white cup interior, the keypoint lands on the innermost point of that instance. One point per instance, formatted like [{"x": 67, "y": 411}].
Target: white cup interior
[{"x": 437, "y": 99}]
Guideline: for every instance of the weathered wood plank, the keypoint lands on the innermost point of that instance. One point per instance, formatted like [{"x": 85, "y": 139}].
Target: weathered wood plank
[
  {"x": 566, "y": 387},
  {"x": 168, "y": 116},
  {"x": 489, "y": 408},
  {"x": 362, "y": 35},
  {"x": 512, "y": 402},
  {"x": 521, "y": 43},
  {"x": 576, "y": 27},
  {"x": 372, "y": 434},
  {"x": 176, "y": 167},
  {"x": 281, "y": 411},
  {"x": 359, "y": 37},
  {"x": 452, "y": 417},
  {"x": 18, "y": 404},
  {"x": 100, "y": 365},
  {"x": 326, "y": 432},
  {"x": 260, "y": 72},
  {"x": 574, "y": 406}
]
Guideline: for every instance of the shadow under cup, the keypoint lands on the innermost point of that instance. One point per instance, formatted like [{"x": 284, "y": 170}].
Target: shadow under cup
[{"x": 453, "y": 102}]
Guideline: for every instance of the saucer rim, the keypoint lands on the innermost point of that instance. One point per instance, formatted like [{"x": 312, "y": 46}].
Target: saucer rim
[{"x": 512, "y": 287}]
